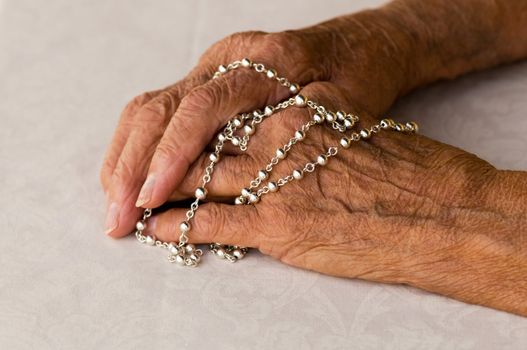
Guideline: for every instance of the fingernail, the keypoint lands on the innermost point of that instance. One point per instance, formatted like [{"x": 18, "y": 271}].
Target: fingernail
[
  {"x": 146, "y": 191},
  {"x": 112, "y": 218}
]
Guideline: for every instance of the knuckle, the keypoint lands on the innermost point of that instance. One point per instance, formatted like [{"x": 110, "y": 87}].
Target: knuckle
[
  {"x": 300, "y": 55},
  {"x": 241, "y": 37},
  {"x": 131, "y": 168},
  {"x": 213, "y": 221},
  {"x": 207, "y": 99},
  {"x": 124, "y": 172},
  {"x": 231, "y": 46},
  {"x": 167, "y": 150},
  {"x": 159, "y": 109},
  {"x": 241, "y": 41},
  {"x": 138, "y": 101},
  {"x": 290, "y": 47},
  {"x": 280, "y": 41},
  {"x": 170, "y": 149},
  {"x": 202, "y": 96}
]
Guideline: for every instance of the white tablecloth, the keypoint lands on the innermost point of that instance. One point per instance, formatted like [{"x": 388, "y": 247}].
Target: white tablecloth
[{"x": 66, "y": 70}]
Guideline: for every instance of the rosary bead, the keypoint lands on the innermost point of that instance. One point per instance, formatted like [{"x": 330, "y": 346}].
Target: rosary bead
[
  {"x": 239, "y": 200},
  {"x": 345, "y": 142},
  {"x": 399, "y": 127},
  {"x": 262, "y": 174},
  {"x": 238, "y": 254},
  {"x": 173, "y": 248},
  {"x": 222, "y": 69},
  {"x": 269, "y": 110},
  {"x": 300, "y": 100},
  {"x": 201, "y": 193},
  {"x": 221, "y": 137},
  {"x": 273, "y": 187},
  {"x": 184, "y": 226},
  {"x": 190, "y": 248},
  {"x": 318, "y": 118},
  {"x": 194, "y": 257},
  {"x": 331, "y": 117},
  {"x": 297, "y": 174},
  {"x": 294, "y": 88},
  {"x": 384, "y": 124},
  {"x": 253, "y": 198},
  {"x": 180, "y": 259},
  {"x": 246, "y": 62},
  {"x": 365, "y": 133},
  {"x": 340, "y": 115},
  {"x": 150, "y": 240},
  {"x": 235, "y": 140},
  {"x": 237, "y": 122},
  {"x": 412, "y": 126},
  {"x": 348, "y": 123},
  {"x": 248, "y": 129},
  {"x": 140, "y": 225},
  {"x": 214, "y": 157},
  {"x": 299, "y": 135},
  {"x": 322, "y": 159},
  {"x": 246, "y": 192},
  {"x": 271, "y": 73},
  {"x": 220, "y": 252},
  {"x": 280, "y": 153}
]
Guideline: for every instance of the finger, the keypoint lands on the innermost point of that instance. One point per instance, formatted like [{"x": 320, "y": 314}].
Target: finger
[
  {"x": 133, "y": 163},
  {"x": 231, "y": 174},
  {"x": 121, "y": 135},
  {"x": 130, "y": 171},
  {"x": 198, "y": 118},
  {"x": 228, "y": 224},
  {"x": 129, "y": 119}
]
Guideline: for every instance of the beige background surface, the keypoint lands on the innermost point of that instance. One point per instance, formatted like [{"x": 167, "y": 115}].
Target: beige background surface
[{"x": 66, "y": 70}]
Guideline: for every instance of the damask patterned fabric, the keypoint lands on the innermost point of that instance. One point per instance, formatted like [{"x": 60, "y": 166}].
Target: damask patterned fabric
[{"x": 66, "y": 70}]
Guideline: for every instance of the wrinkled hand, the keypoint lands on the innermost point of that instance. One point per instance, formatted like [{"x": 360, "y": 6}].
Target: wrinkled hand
[
  {"x": 162, "y": 133},
  {"x": 397, "y": 208},
  {"x": 374, "y": 207}
]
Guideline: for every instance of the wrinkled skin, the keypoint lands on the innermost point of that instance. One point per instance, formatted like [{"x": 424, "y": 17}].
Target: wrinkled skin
[
  {"x": 371, "y": 205},
  {"x": 399, "y": 208}
]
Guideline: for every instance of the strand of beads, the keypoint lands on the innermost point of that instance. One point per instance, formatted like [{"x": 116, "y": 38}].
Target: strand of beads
[
  {"x": 238, "y": 132},
  {"x": 339, "y": 121},
  {"x": 186, "y": 254}
]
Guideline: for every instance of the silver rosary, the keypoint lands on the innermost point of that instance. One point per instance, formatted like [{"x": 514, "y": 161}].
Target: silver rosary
[{"x": 238, "y": 131}]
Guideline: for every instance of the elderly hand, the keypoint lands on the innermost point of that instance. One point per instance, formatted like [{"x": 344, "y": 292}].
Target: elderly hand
[
  {"x": 395, "y": 209},
  {"x": 398, "y": 208},
  {"x": 162, "y": 133}
]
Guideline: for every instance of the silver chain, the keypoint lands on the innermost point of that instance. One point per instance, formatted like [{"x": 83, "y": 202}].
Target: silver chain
[{"x": 238, "y": 132}]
